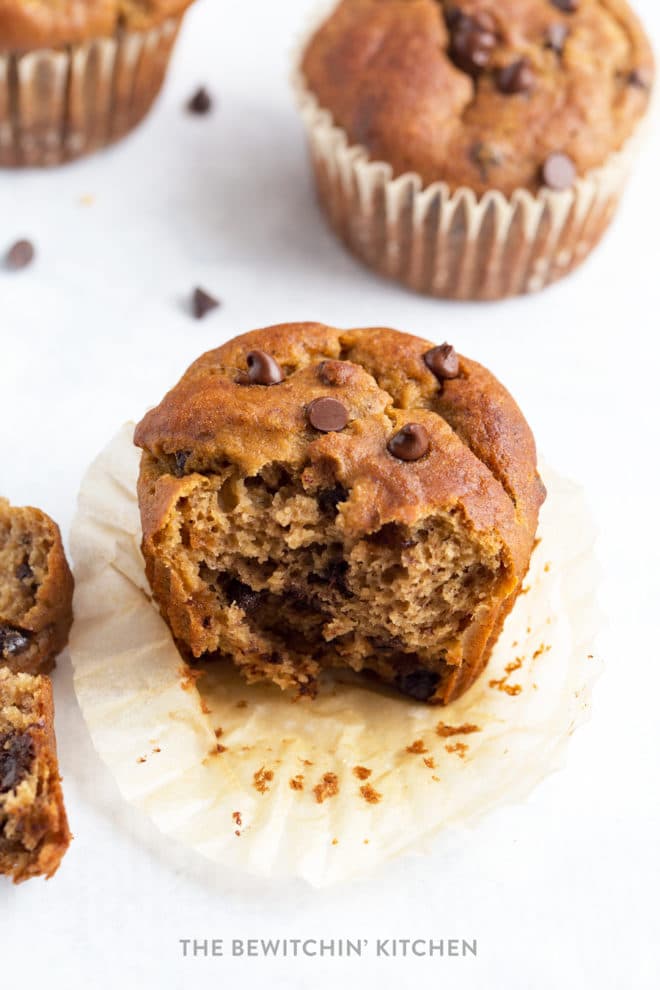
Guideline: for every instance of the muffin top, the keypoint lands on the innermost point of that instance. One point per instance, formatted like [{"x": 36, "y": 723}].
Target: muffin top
[
  {"x": 488, "y": 94},
  {"x": 29, "y": 24},
  {"x": 406, "y": 428}
]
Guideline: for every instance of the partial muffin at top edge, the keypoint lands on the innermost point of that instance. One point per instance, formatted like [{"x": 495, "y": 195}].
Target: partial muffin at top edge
[
  {"x": 314, "y": 497},
  {"x": 483, "y": 93},
  {"x": 34, "y": 24},
  {"x": 36, "y": 590}
]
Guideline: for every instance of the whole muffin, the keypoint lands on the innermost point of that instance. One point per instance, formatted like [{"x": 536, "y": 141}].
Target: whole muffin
[
  {"x": 76, "y": 75},
  {"x": 317, "y": 498},
  {"x": 504, "y": 121}
]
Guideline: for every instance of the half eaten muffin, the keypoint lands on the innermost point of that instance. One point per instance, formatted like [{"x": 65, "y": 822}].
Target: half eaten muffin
[{"x": 314, "y": 498}]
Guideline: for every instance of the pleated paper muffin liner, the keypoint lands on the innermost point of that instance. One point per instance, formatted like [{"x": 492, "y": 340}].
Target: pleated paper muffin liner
[
  {"x": 59, "y": 104},
  {"x": 455, "y": 245},
  {"x": 323, "y": 789}
]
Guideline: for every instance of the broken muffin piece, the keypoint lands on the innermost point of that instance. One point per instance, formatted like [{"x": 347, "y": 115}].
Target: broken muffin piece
[
  {"x": 36, "y": 590},
  {"x": 34, "y": 833},
  {"x": 314, "y": 498}
]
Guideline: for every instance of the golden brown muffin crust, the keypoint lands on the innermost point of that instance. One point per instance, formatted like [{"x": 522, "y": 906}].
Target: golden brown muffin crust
[
  {"x": 31, "y": 24},
  {"x": 414, "y": 82}
]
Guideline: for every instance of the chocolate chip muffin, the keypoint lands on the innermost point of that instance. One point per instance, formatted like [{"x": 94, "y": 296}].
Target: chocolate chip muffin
[
  {"x": 34, "y": 833},
  {"x": 36, "y": 590},
  {"x": 474, "y": 148},
  {"x": 76, "y": 75},
  {"x": 315, "y": 498}
]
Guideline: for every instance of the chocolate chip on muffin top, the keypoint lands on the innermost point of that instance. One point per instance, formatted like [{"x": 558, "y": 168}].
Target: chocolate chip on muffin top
[{"x": 422, "y": 84}]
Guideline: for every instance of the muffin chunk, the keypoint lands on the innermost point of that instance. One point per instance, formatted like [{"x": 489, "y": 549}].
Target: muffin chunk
[
  {"x": 34, "y": 833},
  {"x": 36, "y": 590},
  {"x": 487, "y": 94},
  {"x": 318, "y": 498}
]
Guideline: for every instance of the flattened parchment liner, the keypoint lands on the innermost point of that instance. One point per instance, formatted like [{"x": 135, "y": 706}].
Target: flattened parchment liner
[{"x": 326, "y": 789}]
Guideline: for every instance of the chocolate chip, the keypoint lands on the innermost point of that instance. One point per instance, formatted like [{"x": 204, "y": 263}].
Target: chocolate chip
[
  {"x": 327, "y": 415},
  {"x": 335, "y": 372},
  {"x": 201, "y": 103},
  {"x": 410, "y": 443},
  {"x": 20, "y": 255},
  {"x": 262, "y": 369},
  {"x": 16, "y": 759},
  {"x": 558, "y": 171},
  {"x": 243, "y": 595},
  {"x": 180, "y": 461},
  {"x": 443, "y": 362},
  {"x": 516, "y": 78},
  {"x": 12, "y": 642},
  {"x": 640, "y": 78},
  {"x": 203, "y": 303},
  {"x": 420, "y": 684},
  {"x": 567, "y": 6},
  {"x": 24, "y": 572},
  {"x": 556, "y": 36},
  {"x": 473, "y": 40},
  {"x": 330, "y": 498}
]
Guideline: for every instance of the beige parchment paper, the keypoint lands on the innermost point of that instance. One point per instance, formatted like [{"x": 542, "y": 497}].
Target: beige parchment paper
[{"x": 323, "y": 789}]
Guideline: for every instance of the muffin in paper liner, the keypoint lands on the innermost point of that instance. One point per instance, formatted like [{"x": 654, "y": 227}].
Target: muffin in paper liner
[
  {"x": 455, "y": 244},
  {"x": 59, "y": 104},
  {"x": 323, "y": 789}
]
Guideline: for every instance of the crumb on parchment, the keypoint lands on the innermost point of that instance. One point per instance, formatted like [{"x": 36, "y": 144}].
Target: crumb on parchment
[
  {"x": 457, "y": 747},
  {"x": 189, "y": 677},
  {"x": 362, "y": 773},
  {"x": 297, "y": 783},
  {"x": 429, "y": 762},
  {"x": 417, "y": 747},
  {"x": 261, "y": 779},
  {"x": 370, "y": 794},
  {"x": 327, "y": 787},
  {"x": 445, "y": 730}
]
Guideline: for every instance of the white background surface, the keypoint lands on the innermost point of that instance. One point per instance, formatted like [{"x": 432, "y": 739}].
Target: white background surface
[{"x": 560, "y": 891}]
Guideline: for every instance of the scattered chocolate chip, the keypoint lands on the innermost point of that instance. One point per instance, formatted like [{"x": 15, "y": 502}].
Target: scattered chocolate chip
[
  {"x": 201, "y": 103},
  {"x": 262, "y": 369},
  {"x": 16, "y": 759},
  {"x": 327, "y": 415},
  {"x": 330, "y": 498},
  {"x": 243, "y": 595},
  {"x": 335, "y": 372},
  {"x": 410, "y": 443},
  {"x": 473, "y": 40},
  {"x": 516, "y": 78},
  {"x": 20, "y": 255},
  {"x": 558, "y": 171},
  {"x": 556, "y": 36},
  {"x": 567, "y": 6},
  {"x": 180, "y": 461},
  {"x": 12, "y": 642},
  {"x": 420, "y": 684},
  {"x": 640, "y": 78},
  {"x": 24, "y": 572},
  {"x": 443, "y": 362},
  {"x": 203, "y": 303}
]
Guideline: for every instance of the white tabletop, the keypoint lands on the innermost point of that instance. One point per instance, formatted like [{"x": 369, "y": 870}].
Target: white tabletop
[{"x": 559, "y": 891}]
